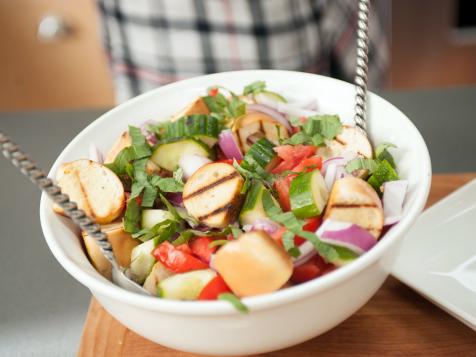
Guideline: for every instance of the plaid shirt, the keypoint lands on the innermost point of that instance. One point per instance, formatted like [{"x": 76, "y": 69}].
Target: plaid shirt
[{"x": 154, "y": 42}]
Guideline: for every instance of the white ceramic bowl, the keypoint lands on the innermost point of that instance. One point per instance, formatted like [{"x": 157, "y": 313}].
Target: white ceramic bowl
[{"x": 276, "y": 320}]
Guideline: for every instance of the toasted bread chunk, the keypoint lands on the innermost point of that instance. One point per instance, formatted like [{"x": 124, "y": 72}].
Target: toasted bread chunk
[
  {"x": 198, "y": 106},
  {"x": 353, "y": 200},
  {"x": 257, "y": 125},
  {"x": 349, "y": 140},
  {"x": 122, "y": 245},
  {"x": 212, "y": 194},
  {"x": 253, "y": 264},
  {"x": 123, "y": 141},
  {"x": 95, "y": 189}
]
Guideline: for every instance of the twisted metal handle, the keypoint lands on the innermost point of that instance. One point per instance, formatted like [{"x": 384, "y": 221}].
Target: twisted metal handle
[
  {"x": 362, "y": 62},
  {"x": 18, "y": 158}
]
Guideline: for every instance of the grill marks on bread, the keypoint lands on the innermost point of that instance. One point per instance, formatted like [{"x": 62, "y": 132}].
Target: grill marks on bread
[
  {"x": 212, "y": 194},
  {"x": 354, "y": 200}
]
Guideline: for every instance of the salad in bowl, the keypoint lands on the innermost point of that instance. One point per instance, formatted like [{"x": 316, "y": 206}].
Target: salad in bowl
[{"x": 236, "y": 195}]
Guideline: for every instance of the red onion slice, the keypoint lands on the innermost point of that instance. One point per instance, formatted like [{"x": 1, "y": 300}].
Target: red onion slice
[
  {"x": 94, "y": 154},
  {"x": 347, "y": 235},
  {"x": 271, "y": 112},
  {"x": 150, "y": 136},
  {"x": 229, "y": 146},
  {"x": 191, "y": 163},
  {"x": 330, "y": 176},
  {"x": 307, "y": 251},
  {"x": 262, "y": 224},
  {"x": 393, "y": 196},
  {"x": 175, "y": 198},
  {"x": 284, "y": 108}
]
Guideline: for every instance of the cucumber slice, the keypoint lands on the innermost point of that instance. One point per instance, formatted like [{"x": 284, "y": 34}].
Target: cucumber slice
[
  {"x": 169, "y": 152},
  {"x": 159, "y": 273},
  {"x": 274, "y": 96},
  {"x": 261, "y": 153},
  {"x": 199, "y": 126},
  {"x": 150, "y": 217},
  {"x": 186, "y": 286},
  {"x": 142, "y": 261},
  {"x": 253, "y": 206},
  {"x": 308, "y": 194}
]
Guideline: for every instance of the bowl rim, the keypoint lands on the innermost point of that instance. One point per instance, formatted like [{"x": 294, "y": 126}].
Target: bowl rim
[{"x": 101, "y": 286}]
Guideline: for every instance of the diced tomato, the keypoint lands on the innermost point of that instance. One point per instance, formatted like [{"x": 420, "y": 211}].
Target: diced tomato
[
  {"x": 311, "y": 225},
  {"x": 227, "y": 161},
  {"x": 292, "y": 155},
  {"x": 282, "y": 186},
  {"x": 138, "y": 199},
  {"x": 213, "y": 91},
  {"x": 184, "y": 248},
  {"x": 309, "y": 164},
  {"x": 311, "y": 270},
  {"x": 215, "y": 287},
  {"x": 201, "y": 248},
  {"x": 178, "y": 259}
]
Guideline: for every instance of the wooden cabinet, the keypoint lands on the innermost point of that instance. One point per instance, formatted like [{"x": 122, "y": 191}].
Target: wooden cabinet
[{"x": 68, "y": 71}]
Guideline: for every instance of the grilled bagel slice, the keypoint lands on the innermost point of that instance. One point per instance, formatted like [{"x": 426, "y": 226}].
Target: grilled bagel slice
[
  {"x": 250, "y": 127},
  {"x": 95, "y": 189},
  {"x": 212, "y": 194},
  {"x": 350, "y": 139},
  {"x": 353, "y": 200}
]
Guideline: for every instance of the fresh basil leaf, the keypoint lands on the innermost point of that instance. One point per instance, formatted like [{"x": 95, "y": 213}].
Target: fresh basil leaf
[
  {"x": 169, "y": 184},
  {"x": 236, "y": 232},
  {"x": 236, "y": 107},
  {"x": 361, "y": 164},
  {"x": 382, "y": 153},
  {"x": 149, "y": 196},
  {"x": 139, "y": 143},
  {"x": 288, "y": 243},
  {"x": 218, "y": 242},
  {"x": 170, "y": 207},
  {"x": 123, "y": 158},
  {"x": 327, "y": 125},
  {"x": 132, "y": 217},
  {"x": 254, "y": 88},
  {"x": 216, "y": 104},
  {"x": 140, "y": 175},
  {"x": 136, "y": 190},
  {"x": 298, "y": 139},
  {"x": 326, "y": 251},
  {"x": 178, "y": 175},
  {"x": 235, "y": 301},
  {"x": 317, "y": 140}
]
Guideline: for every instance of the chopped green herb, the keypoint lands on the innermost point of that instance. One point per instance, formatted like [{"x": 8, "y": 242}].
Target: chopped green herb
[
  {"x": 360, "y": 163},
  {"x": 382, "y": 153},
  {"x": 254, "y": 88},
  {"x": 122, "y": 160},
  {"x": 132, "y": 217},
  {"x": 169, "y": 184},
  {"x": 139, "y": 143},
  {"x": 235, "y": 301},
  {"x": 326, "y": 125},
  {"x": 218, "y": 242}
]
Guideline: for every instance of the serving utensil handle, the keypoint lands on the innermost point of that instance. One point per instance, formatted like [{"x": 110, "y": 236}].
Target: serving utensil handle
[
  {"x": 18, "y": 158},
  {"x": 362, "y": 65}
]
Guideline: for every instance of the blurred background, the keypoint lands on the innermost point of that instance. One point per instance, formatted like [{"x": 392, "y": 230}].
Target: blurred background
[{"x": 52, "y": 53}]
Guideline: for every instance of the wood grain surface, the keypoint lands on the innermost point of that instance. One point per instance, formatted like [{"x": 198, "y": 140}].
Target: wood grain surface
[{"x": 395, "y": 322}]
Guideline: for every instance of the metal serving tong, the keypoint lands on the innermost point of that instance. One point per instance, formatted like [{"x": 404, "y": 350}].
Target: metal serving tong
[{"x": 87, "y": 224}]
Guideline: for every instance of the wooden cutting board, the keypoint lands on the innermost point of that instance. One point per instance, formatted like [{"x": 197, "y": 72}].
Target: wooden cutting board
[{"x": 395, "y": 322}]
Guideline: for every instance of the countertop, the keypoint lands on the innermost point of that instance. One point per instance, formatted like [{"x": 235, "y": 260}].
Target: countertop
[{"x": 42, "y": 308}]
